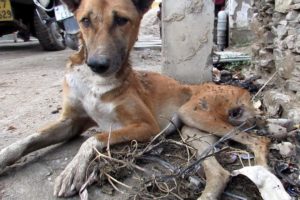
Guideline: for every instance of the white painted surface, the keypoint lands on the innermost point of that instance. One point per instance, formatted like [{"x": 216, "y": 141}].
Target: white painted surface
[{"x": 239, "y": 14}]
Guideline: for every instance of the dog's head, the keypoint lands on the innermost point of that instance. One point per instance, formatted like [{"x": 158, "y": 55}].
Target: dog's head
[{"x": 109, "y": 29}]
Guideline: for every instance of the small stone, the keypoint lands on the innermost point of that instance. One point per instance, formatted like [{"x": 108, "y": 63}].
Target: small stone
[
  {"x": 54, "y": 111},
  {"x": 294, "y": 114},
  {"x": 11, "y": 128},
  {"x": 255, "y": 49},
  {"x": 267, "y": 63},
  {"x": 283, "y": 22},
  {"x": 292, "y": 31},
  {"x": 268, "y": 37},
  {"x": 297, "y": 58},
  {"x": 286, "y": 149},
  {"x": 295, "y": 6},
  {"x": 292, "y": 15},
  {"x": 290, "y": 41},
  {"x": 296, "y": 50},
  {"x": 280, "y": 44},
  {"x": 274, "y": 100},
  {"x": 281, "y": 31},
  {"x": 277, "y": 131},
  {"x": 293, "y": 24},
  {"x": 286, "y": 123},
  {"x": 263, "y": 53},
  {"x": 293, "y": 85},
  {"x": 297, "y": 43},
  {"x": 282, "y": 5},
  {"x": 285, "y": 65},
  {"x": 257, "y": 104},
  {"x": 277, "y": 16}
]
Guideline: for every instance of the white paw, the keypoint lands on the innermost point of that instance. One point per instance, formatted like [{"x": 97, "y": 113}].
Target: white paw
[{"x": 69, "y": 182}]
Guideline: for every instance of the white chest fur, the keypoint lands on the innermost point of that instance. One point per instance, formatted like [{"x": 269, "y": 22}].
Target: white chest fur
[{"x": 86, "y": 89}]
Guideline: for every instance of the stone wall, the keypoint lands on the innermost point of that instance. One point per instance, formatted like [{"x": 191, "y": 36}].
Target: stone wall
[
  {"x": 277, "y": 52},
  {"x": 262, "y": 48},
  {"x": 287, "y": 42}
]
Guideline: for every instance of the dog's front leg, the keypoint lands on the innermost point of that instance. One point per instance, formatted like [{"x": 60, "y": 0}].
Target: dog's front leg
[
  {"x": 73, "y": 177},
  {"x": 62, "y": 130}
]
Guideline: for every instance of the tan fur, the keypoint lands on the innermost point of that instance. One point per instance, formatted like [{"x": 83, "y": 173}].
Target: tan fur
[{"x": 133, "y": 105}]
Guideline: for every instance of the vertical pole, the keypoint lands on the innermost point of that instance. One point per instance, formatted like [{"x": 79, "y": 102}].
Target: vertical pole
[{"x": 188, "y": 39}]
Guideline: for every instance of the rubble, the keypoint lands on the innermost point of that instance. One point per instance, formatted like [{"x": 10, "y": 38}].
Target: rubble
[
  {"x": 277, "y": 131},
  {"x": 286, "y": 149},
  {"x": 278, "y": 20}
]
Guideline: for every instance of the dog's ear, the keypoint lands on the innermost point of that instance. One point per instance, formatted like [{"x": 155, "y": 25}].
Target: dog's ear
[
  {"x": 72, "y": 4},
  {"x": 143, "y": 5}
]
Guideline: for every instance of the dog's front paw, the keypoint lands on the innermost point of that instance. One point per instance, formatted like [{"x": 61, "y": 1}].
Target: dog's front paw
[{"x": 69, "y": 182}]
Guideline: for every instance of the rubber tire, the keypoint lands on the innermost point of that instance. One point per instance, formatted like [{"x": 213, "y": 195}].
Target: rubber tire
[{"x": 46, "y": 35}]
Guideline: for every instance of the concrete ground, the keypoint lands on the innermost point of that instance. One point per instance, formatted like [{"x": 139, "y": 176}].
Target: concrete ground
[{"x": 30, "y": 96}]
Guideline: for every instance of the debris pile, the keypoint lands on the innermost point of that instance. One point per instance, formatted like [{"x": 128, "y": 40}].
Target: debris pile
[{"x": 168, "y": 167}]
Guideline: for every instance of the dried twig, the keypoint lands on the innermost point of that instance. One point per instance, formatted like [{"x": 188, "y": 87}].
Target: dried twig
[
  {"x": 119, "y": 182},
  {"x": 238, "y": 152},
  {"x": 121, "y": 161},
  {"x": 263, "y": 87},
  {"x": 114, "y": 186},
  {"x": 154, "y": 139},
  {"x": 108, "y": 141}
]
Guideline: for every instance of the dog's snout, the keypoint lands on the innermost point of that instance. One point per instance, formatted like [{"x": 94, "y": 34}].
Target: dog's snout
[{"x": 98, "y": 64}]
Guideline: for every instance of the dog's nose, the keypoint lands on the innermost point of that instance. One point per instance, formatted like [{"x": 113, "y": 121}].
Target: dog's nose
[{"x": 98, "y": 64}]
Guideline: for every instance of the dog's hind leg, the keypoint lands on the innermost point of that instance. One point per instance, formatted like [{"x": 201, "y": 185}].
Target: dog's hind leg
[
  {"x": 210, "y": 122},
  {"x": 62, "y": 130},
  {"x": 216, "y": 176}
]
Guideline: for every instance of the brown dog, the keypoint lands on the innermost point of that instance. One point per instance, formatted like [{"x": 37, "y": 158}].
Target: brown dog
[{"x": 100, "y": 88}]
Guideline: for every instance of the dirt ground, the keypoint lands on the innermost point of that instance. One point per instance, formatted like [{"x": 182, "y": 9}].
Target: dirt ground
[{"x": 30, "y": 96}]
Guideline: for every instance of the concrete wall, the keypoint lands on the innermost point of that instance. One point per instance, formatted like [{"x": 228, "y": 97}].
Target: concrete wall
[
  {"x": 188, "y": 39},
  {"x": 240, "y": 15}
]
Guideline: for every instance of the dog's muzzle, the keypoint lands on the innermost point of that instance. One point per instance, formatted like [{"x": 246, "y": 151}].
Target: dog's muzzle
[{"x": 99, "y": 64}]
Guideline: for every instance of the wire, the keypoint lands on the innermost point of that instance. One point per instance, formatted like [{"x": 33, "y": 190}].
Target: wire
[{"x": 37, "y": 3}]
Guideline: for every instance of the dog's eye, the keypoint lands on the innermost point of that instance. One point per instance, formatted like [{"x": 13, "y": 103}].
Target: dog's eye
[
  {"x": 86, "y": 22},
  {"x": 120, "y": 21},
  {"x": 236, "y": 112}
]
